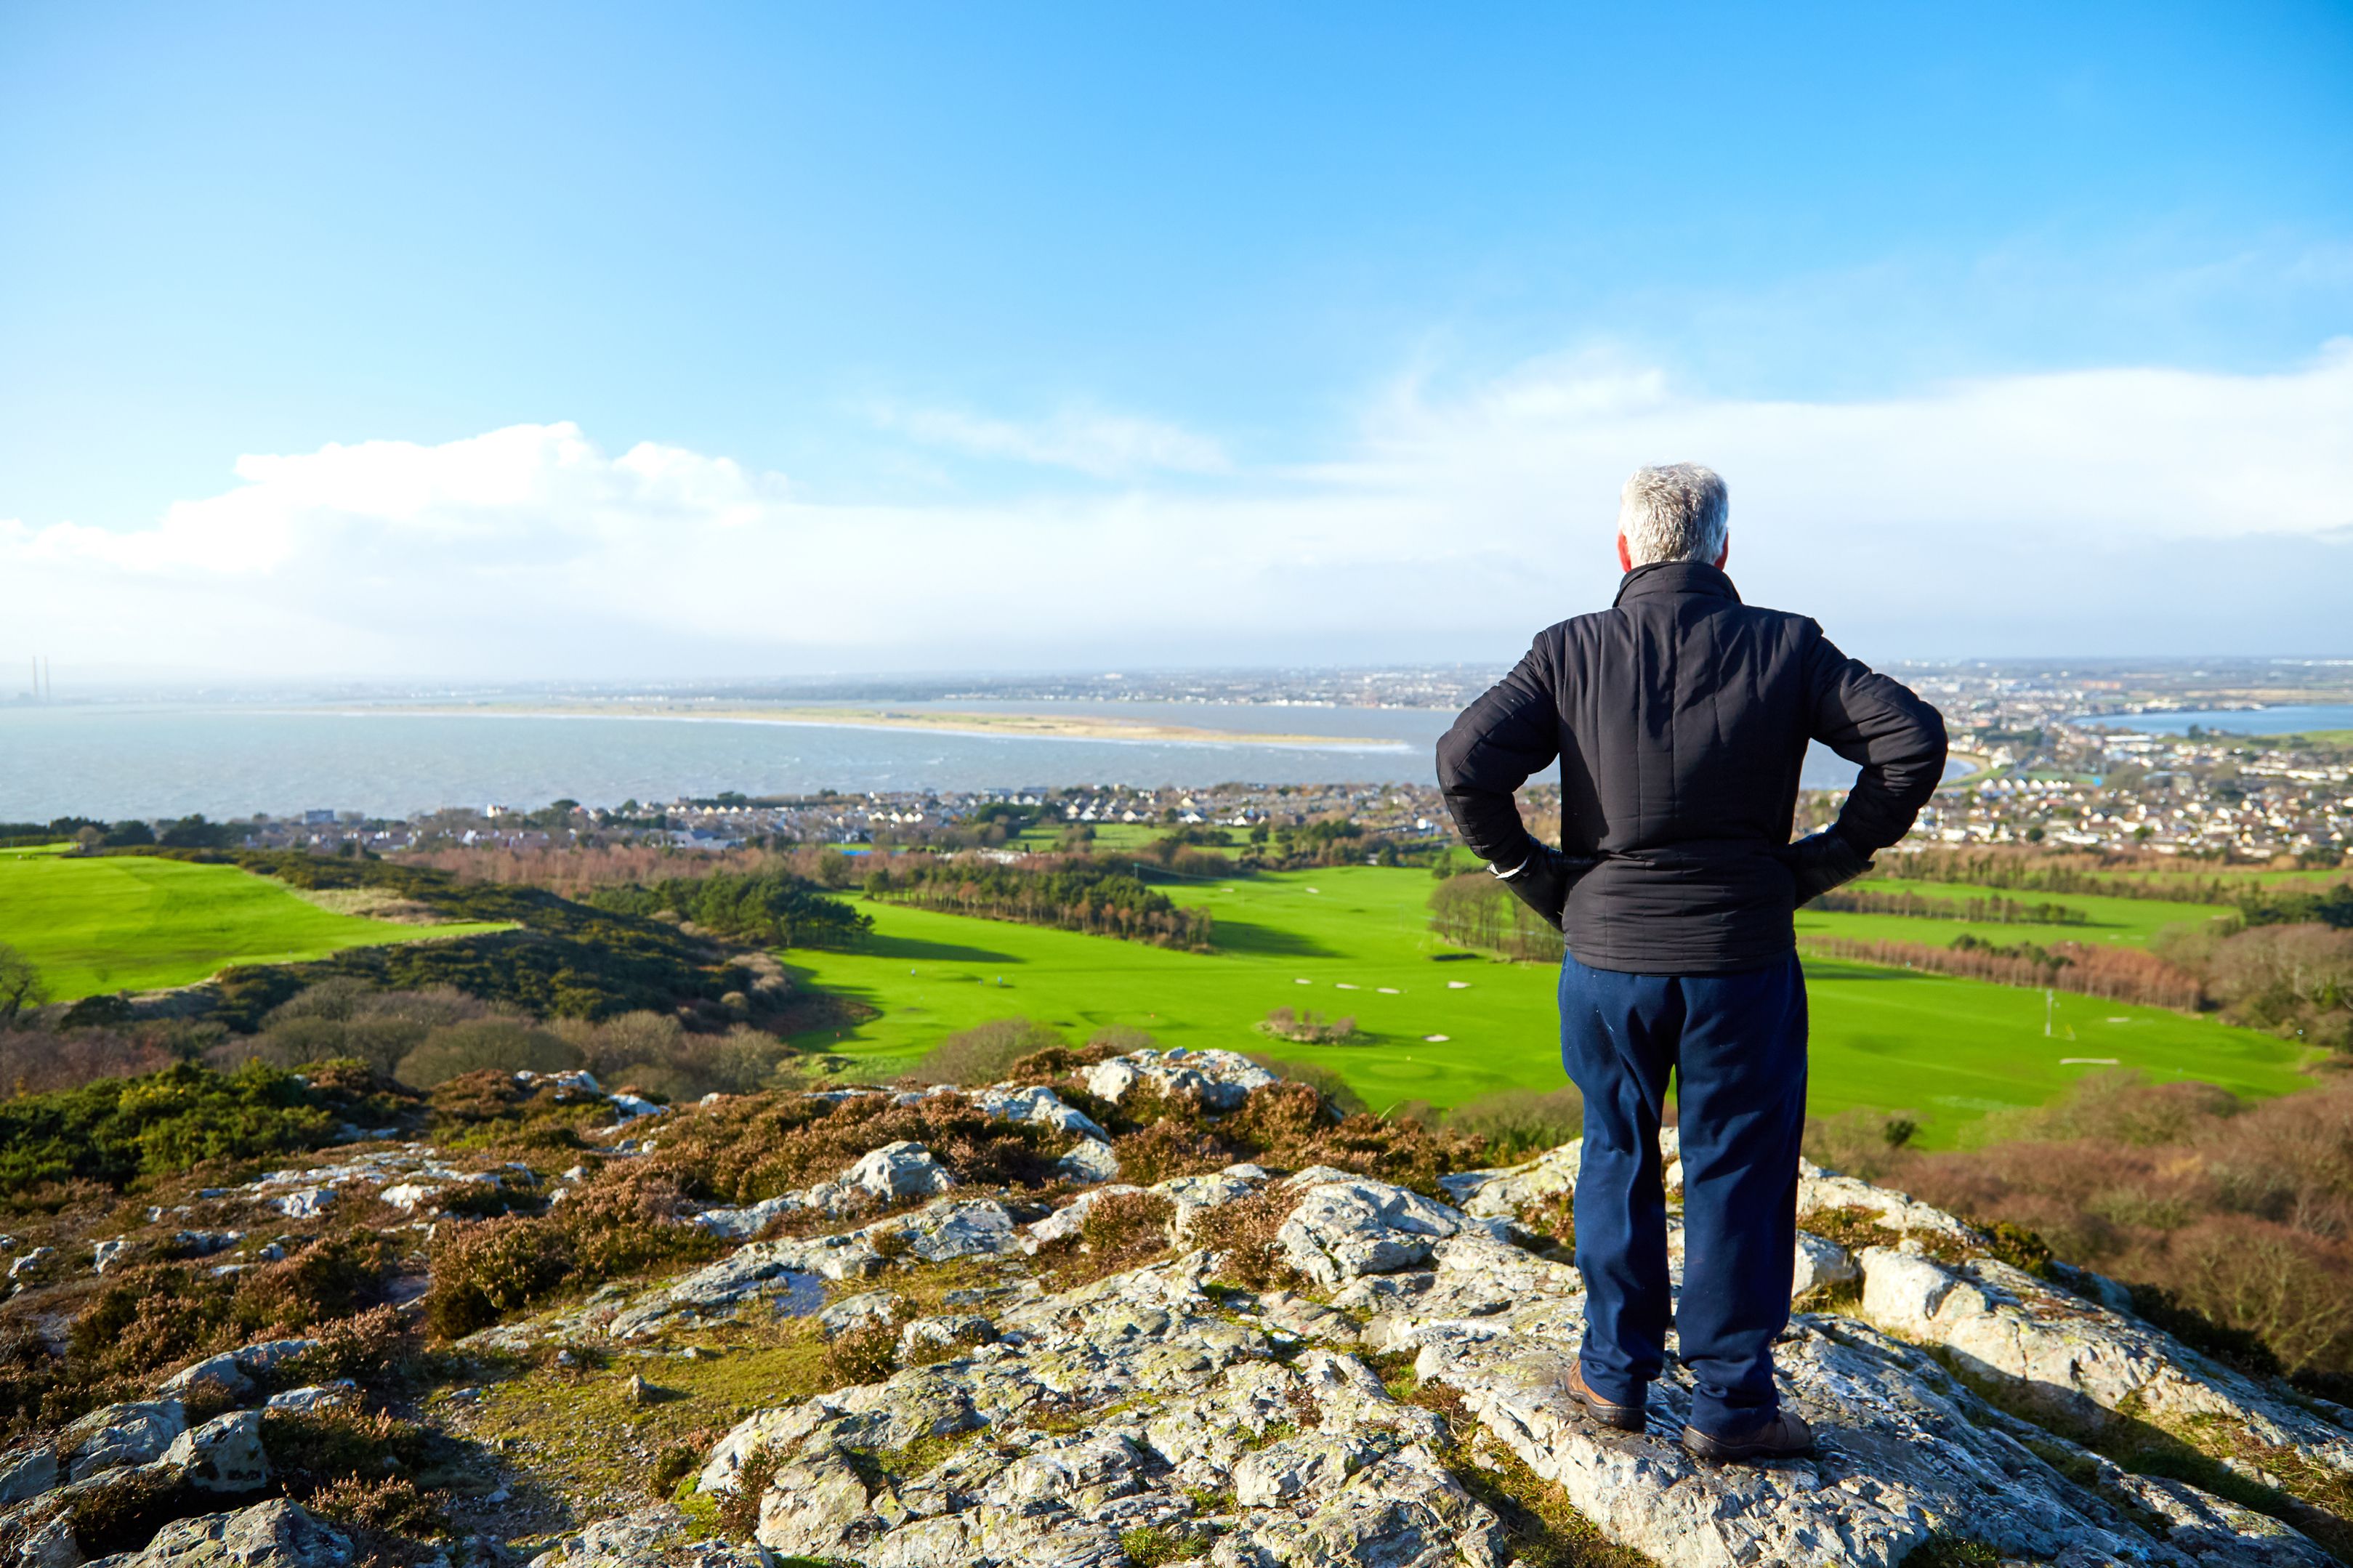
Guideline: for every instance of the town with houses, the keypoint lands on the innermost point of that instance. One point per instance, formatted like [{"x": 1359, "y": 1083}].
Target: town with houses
[{"x": 2052, "y": 758}]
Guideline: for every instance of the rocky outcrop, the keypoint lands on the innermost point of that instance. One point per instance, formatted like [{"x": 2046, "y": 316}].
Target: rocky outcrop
[
  {"x": 1223, "y": 1079},
  {"x": 1308, "y": 1369},
  {"x": 1161, "y": 1408}
]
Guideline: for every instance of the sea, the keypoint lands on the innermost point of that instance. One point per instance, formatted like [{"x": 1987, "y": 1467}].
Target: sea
[
  {"x": 113, "y": 760},
  {"x": 2287, "y": 719}
]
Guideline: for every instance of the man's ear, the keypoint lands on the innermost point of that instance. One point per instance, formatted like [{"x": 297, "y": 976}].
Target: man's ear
[
  {"x": 1724, "y": 554},
  {"x": 1625, "y": 556}
]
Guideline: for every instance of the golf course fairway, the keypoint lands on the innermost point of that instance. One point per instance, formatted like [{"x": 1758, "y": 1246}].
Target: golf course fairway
[
  {"x": 1353, "y": 940},
  {"x": 139, "y": 922}
]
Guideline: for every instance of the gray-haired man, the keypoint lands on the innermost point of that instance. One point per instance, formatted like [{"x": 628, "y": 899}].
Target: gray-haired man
[{"x": 1680, "y": 718}]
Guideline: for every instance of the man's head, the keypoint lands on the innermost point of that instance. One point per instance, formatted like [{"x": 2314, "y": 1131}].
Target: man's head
[{"x": 1674, "y": 513}]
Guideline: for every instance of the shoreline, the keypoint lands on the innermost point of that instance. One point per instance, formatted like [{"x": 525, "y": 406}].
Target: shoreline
[{"x": 986, "y": 726}]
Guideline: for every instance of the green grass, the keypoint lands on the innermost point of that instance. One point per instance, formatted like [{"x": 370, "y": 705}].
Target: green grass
[
  {"x": 2128, "y": 922},
  {"x": 1946, "y": 1049},
  {"x": 138, "y": 922}
]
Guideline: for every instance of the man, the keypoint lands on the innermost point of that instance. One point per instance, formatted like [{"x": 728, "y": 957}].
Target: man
[{"x": 1679, "y": 717}]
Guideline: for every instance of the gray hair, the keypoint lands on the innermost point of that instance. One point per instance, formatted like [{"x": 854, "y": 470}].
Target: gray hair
[{"x": 1674, "y": 513}]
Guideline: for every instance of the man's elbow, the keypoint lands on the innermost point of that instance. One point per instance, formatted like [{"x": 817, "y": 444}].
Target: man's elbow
[{"x": 1454, "y": 749}]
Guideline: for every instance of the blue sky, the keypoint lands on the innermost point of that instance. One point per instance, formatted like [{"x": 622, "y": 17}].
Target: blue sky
[{"x": 1248, "y": 283}]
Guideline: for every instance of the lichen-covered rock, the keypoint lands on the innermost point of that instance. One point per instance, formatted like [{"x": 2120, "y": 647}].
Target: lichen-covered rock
[
  {"x": 303, "y": 1203},
  {"x": 1819, "y": 1264},
  {"x": 1251, "y": 1430},
  {"x": 27, "y": 1472},
  {"x": 1346, "y": 1226},
  {"x": 970, "y": 1227},
  {"x": 1500, "y": 1194},
  {"x": 1117, "y": 1407},
  {"x": 862, "y": 1310},
  {"x": 660, "y": 1534},
  {"x": 121, "y": 1434},
  {"x": 223, "y": 1455},
  {"x": 2081, "y": 1360},
  {"x": 1039, "y": 1104},
  {"x": 1089, "y": 1161},
  {"x": 50, "y": 1545},
  {"x": 1223, "y": 1079},
  {"x": 1820, "y": 1191},
  {"x": 234, "y": 1370},
  {"x": 273, "y": 1535},
  {"x": 314, "y": 1397},
  {"x": 897, "y": 1170}
]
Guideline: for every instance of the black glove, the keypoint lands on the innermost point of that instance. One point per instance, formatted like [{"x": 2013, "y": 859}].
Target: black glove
[
  {"x": 1820, "y": 862},
  {"x": 1543, "y": 884}
]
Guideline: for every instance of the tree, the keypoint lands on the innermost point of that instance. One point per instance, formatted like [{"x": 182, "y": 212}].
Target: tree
[{"x": 20, "y": 985}]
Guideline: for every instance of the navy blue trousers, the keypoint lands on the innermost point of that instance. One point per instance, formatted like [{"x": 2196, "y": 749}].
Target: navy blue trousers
[{"x": 1737, "y": 1047}]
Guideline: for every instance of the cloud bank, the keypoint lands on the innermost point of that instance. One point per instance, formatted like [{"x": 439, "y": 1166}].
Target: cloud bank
[{"x": 2125, "y": 511}]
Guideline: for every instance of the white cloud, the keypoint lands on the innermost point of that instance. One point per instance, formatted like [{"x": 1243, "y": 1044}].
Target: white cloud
[
  {"x": 1087, "y": 441},
  {"x": 2133, "y": 511}
]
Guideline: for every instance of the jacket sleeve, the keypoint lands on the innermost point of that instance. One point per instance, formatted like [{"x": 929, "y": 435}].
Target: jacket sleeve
[
  {"x": 1494, "y": 746},
  {"x": 1867, "y": 718}
]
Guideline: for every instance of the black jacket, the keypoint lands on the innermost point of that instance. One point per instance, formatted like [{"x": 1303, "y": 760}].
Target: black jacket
[{"x": 1681, "y": 716}]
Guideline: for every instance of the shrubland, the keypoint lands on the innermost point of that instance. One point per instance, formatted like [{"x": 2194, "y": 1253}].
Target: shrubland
[{"x": 2240, "y": 1214}]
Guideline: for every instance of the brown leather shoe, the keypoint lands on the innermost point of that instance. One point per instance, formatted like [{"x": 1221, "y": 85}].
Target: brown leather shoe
[
  {"x": 1624, "y": 1417},
  {"x": 1785, "y": 1436}
]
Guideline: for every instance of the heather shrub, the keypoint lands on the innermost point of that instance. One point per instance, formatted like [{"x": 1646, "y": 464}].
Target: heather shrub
[
  {"x": 867, "y": 1353},
  {"x": 1119, "y": 1230},
  {"x": 2117, "y": 1106},
  {"x": 1243, "y": 1231},
  {"x": 615, "y": 1228},
  {"x": 484, "y": 1270},
  {"x": 370, "y": 1346},
  {"x": 740, "y": 1152},
  {"x": 1307, "y": 1027},
  {"x": 314, "y": 1449},
  {"x": 1161, "y": 1151},
  {"x": 395, "y": 1506}
]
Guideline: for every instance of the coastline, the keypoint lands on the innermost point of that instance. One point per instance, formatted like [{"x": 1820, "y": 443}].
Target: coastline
[{"x": 998, "y": 726}]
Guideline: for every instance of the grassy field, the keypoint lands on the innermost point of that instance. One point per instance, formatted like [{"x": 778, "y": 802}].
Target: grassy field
[
  {"x": 134, "y": 922},
  {"x": 2123, "y": 921},
  {"x": 1353, "y": 940}
]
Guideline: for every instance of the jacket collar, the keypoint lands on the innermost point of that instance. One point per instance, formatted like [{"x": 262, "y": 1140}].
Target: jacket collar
[{"x": 1676, "y": 577}]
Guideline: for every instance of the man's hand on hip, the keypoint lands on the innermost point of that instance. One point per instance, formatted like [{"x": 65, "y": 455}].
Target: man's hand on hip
[
  {"x": 1820, "y": 862},
  {"x": 1542, "y": 882}
]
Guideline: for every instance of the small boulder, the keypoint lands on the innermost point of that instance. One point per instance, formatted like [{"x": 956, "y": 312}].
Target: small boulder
[
  {"x": 896, "y": 1170},
  {"x": 223, "y": 1455},
  {"x": 973, "y": 1228},
  {"x": 27, "y": 1472},
  {"x": 303, "y": 1203},
  {"x": 859, "y": 1311},
  {"x": 1819, "y": 1263},
  {"x": 121, "y": 1434},
  {"x": 314, "y": 1397},
  {"x": 273, "y": 1535},
  {"x": 1089, "y": 1161},
  {"x": 1349, "y": 1226}
]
